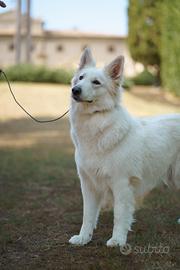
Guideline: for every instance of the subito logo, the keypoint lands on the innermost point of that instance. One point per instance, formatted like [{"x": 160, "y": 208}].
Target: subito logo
[{"x": 126, "y": 250}]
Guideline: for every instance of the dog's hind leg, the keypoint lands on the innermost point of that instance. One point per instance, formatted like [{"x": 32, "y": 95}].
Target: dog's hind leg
[
  {"x": 124, "y": 207},
  {"x": 91, "y": 207}
]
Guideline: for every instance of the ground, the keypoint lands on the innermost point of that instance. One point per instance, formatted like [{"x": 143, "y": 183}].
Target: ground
[{"x": 40, "y": 198}]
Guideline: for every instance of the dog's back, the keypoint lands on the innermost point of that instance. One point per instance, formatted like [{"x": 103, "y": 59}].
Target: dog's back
[{"x": 166, "y": 129}]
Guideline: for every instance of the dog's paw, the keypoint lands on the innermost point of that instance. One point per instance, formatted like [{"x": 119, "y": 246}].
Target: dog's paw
[
  {"x": 79, "y": 240},
  {"x": 114, "y": 242}
]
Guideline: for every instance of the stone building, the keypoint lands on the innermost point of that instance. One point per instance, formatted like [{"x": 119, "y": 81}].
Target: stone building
[{"x": 59, "y": 48}]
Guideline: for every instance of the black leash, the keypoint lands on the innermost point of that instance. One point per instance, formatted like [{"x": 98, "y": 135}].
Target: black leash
[{"x": 32, "y": 117}]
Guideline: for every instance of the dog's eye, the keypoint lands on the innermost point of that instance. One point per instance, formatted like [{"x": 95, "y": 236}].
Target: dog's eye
[
  {"x": 96, "y": 82},
  {"x": 81, "y": 77}
]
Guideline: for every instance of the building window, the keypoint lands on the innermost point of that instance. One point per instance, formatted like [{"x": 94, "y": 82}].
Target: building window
[
  {"x": 111, "y": 49},
  {"x": 11, "y": 47},
  {"x": 60, "y": 48},
  {"x": 42, "y": 55}
]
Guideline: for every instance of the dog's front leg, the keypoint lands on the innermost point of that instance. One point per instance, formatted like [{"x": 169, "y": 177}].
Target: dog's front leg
[
  {"x": 124, "y": 207},
  {"x": 91, "y": 207}
]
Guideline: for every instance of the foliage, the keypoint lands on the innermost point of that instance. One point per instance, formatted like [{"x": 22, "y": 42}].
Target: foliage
[
  {"x": 154, "y": 28},
  {"x": 145, "y": 31},
  {"x": 145, "y": 78},
  {"x": 31, "y": 73},
  {"x": 170, "y": 46},
  {"x": 127, "y": 83}
]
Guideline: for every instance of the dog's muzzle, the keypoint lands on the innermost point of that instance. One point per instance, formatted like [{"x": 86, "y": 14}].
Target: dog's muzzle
[{"x": 76, "y": 92}]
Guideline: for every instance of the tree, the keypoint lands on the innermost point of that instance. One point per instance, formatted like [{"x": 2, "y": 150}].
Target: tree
[
  {"x": 145, "y": 31},
  {"x": 154, "y": 27},
  {"x": 170, "y": 46},
  {"x": 18, "y": 33}
]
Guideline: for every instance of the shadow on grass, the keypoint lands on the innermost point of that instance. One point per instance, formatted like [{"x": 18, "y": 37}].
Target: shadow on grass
[
  {"x": 155, "y": 95},
  {"x": 41, "y": 207}
]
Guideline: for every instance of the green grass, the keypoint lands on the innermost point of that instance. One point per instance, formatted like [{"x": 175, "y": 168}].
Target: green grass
[{"x": 41, "y": 207}]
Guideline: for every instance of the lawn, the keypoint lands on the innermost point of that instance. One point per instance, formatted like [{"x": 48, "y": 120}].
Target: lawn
[{"x": 40, "y": 198}]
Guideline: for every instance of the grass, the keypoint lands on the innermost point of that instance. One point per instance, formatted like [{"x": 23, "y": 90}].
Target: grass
[{"x": 40, "y": 198}]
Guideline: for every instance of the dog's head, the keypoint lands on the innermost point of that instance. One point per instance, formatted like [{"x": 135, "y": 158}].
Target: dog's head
[{"x": 95, "y": 88}]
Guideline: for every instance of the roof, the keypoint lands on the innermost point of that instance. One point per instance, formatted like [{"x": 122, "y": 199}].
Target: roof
[
  {"x": 11, "y": 15},
  {"x": 80, "y": 34}
]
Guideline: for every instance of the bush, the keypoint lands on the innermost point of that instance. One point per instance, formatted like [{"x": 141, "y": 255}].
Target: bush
[
  {"x": 127, "y": 84},
  {"x": 145, "y": 78},
  {"x": 31, "y": 73}
]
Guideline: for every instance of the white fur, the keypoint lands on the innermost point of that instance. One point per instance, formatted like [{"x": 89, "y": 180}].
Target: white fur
[{"x": 118, "y": 157}]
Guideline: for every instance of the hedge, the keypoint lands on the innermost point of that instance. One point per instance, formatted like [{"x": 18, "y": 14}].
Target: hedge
[
  {"x": 145, "y": 78},
  {"x": 32, "y": 73}
]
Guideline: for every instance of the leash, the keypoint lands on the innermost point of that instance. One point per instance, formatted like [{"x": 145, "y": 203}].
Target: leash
[{"x": 17, "y": 102}]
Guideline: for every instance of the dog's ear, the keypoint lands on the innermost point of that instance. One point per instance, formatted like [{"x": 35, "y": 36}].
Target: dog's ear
[
  {"x": 86, "y": 59},
  {"x": 115, "y": 68}
]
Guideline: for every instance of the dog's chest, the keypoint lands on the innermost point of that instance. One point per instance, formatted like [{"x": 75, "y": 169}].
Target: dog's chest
[
  {"x": 87, "y": 140},
  {"x": 90, "y": 138},
  {"x": 98, "y": 140},
  {"x": 90, "y": 154}
]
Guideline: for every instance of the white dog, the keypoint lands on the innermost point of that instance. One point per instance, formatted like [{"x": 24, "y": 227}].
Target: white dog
[{"x": 119, "y": 157}]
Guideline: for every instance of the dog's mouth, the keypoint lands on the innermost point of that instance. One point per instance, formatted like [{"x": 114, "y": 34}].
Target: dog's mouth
[{"x": 79, "y": 99}]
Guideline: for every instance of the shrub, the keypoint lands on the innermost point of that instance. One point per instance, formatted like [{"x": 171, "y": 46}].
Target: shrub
[
  {"x": 145, "y": 78},
  {"x": 127, "y": 83},
  {"x": 31, "y": 73}
]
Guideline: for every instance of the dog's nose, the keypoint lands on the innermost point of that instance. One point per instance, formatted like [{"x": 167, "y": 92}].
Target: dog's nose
[{"x": 76, "y": 90}]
